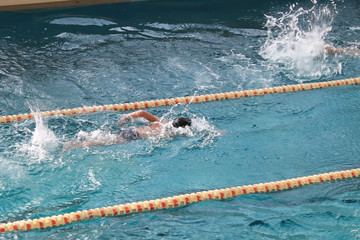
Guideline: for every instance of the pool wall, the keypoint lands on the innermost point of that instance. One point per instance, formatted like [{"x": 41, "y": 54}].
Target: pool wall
[{"x": 15, "y": 5}]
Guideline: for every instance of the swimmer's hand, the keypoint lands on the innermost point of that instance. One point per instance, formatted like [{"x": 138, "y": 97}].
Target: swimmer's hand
[
  {"x": 334, "y": 50},
  {"x": 124, "y": 120},
  {"x": 121, "y": 123},
  {"x": 222, "y": 132}
]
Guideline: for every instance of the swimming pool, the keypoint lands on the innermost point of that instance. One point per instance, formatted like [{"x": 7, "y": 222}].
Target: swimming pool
[{"x": 162, "y": 49}]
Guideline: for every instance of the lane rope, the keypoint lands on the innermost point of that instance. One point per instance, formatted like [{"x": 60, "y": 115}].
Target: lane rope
[
  {"x": 181, "y": 100},
  {"x": 175, "y": 201}
]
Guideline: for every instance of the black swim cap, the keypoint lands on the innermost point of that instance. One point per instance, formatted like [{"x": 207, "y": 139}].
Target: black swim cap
[{"x": 181, "y": 122}]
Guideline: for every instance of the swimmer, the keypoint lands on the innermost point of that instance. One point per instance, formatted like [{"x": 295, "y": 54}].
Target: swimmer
[
  {"x": 335, "y": 50},
  {"x": 152, "y": 130},
  {"x": 130, "y": 134}
]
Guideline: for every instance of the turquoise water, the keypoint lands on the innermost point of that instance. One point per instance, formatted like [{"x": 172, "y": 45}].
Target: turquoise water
[{"x": 149, "y": 50}]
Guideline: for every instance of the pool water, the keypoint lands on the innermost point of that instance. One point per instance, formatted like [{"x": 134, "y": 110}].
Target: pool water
[{"x": 56, "y": 59}]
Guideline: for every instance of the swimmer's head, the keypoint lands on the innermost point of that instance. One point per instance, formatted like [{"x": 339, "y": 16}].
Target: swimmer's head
[{"x": 181, "y": 122}]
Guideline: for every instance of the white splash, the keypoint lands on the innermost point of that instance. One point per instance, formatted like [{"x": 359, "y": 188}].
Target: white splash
[
  {"x": 43, "y": 141},
  {"x": 92, "y": 182},
  {"x": 206, "y": 130},
  {"x": 296, "y": 39},
  {"x": 201, "y": 133}
]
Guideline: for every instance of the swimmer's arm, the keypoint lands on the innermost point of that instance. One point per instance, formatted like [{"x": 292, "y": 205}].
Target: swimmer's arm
[
  {"x": 334, "y": 50},
  {"x": 76, "y": 144},
  {"x": 138, "y": 114},
  {"x": 222, "y": 132}
]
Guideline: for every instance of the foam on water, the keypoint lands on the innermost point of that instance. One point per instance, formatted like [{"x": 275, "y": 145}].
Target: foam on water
[
  {"x": 101, "y": 136},
  {"x": 246, "y": 69},
  {"x": 296, "y": 40},
  {"x": 125, "y": 29}
]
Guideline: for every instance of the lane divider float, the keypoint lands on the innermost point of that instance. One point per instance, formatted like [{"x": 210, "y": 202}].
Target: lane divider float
[
  {"x": 181, "y": 100},
  {"x": 175, "y": 201}
]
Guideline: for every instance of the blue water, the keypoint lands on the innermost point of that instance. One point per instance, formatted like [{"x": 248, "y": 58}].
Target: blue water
[{"x": 56, "y": 59}]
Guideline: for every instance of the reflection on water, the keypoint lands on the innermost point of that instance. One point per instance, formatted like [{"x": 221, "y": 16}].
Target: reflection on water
[{"x": 82, "y": 21}]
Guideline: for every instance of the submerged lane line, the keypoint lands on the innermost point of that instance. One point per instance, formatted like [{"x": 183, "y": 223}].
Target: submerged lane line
[
  {"x": 175, "y": 201},
  {"x": 181, "y": 100}
]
